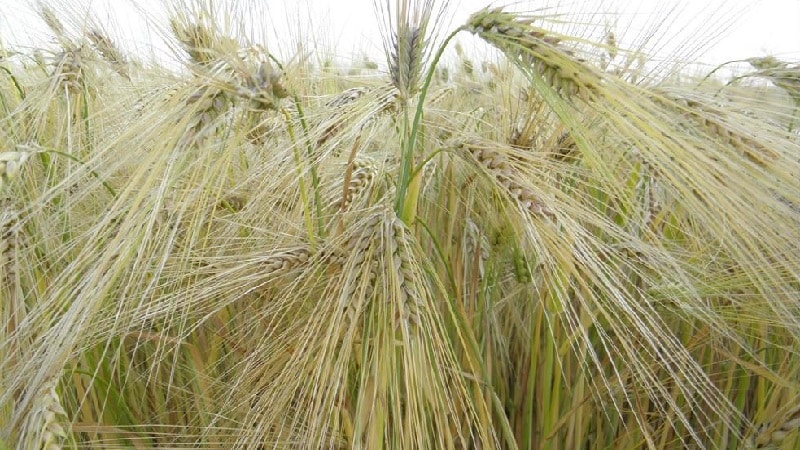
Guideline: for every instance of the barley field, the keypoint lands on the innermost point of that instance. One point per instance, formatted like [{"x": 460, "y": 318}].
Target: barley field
[{"x": 553, "y": 247}]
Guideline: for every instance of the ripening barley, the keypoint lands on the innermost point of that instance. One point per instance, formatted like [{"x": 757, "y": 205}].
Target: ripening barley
[
  {"x": 43, "y": 429},
  {"x": 559, "y": 244}
]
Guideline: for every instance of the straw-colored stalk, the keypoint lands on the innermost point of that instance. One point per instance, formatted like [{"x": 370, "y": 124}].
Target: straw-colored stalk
[
  {"x": 226, "y": 72},
  {"x": 359, "y": 265},
  {"x": 346, "y": 113},
  {"x": 611, "y": 45},
  {"x": 347, "y": 96},
  {"x": 51, "y": 20},
  {"x": 69, "y": 63},
  {"x": 11, "y": 164}
]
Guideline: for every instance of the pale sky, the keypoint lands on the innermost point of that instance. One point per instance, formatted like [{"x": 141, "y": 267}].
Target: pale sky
[{"x": 712, "y": 31}]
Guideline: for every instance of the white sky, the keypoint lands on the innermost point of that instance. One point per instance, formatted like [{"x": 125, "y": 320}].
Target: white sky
[{"x": 725, "y": 29}]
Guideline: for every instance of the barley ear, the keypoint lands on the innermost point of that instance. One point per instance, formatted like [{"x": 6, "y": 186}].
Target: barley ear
[
  {"x": 770, "y": 435},
  {"x": 10, "y": 165},
  {"x": 43, "y": 429},
  {"x": 286, "y": 260},
  {"x": 110, "y": 52},
  {"x": 407, "y": 43},
  {"x": 54, "y": 24},
  {"x": 202, "y": 40},
  {"x": 498, "y": 167},
  {"x": 779, "y": 73},
  {"x": 405, "y": 59},
  {"x": 360, "y": 180},
  {"x": 9, "y": 285},
  {"x": 263, "y": 87},
  {"x": 536, "y": 49}
]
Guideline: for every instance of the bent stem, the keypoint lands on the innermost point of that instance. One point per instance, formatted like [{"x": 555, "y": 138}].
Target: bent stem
[{"x": 46, "y": 161}]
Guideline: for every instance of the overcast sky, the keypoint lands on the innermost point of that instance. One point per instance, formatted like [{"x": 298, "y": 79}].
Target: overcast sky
[{"x": 712, "y": 30}]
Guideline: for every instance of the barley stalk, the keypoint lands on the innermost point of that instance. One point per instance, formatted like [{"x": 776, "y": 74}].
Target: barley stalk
[
  {"x": 13, "y": 309},
  {"x": 347, "y": 96},
  {"x": 225, "y": 73},
  {"x": 52, "y": 21},
  {"x": 611, "y": 45},
  {"x": 381, "y": 232},
  {"x": 521, "y": 266},
  {"x": 349, "y": 115},
  {"x": 267, "y": 263},
  {"x": 263, "y": 88},
  {"x": 246, "y": 73},
  {"x": 69, "y": 63},
  {"x": 260, "y": 269},
  {"x": 412, "y": 25}
]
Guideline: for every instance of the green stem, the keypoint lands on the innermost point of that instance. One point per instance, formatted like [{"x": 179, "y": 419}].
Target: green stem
[
  {"x": 307, "y": 214},
  {"x": 716, "y": 69},
  {"x": 400, "y": 206},
  {"x": 469, "y": 343},
  {"x": 105, "y": 184},
  {"x": 16, "y": 83},
  {"x": 312, "y": 167}
]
